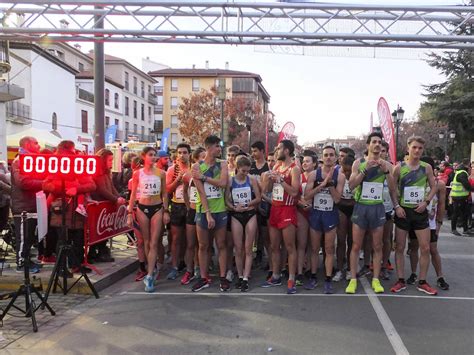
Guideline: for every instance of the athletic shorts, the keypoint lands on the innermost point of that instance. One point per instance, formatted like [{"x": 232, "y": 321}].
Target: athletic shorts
[
  {"x": 191, "y": 217},
  {"x": 347, "y": 210},
  {"x": 368, "y": 217},
  {"x": 282, "y": 216},
  {"x": 413, "y": 220},
  {"x": 323, "y": 221},
  {"x": 220, "y": 219},
  {"x": 178, "y": 214},
  {"x": 433, "y": 236}
]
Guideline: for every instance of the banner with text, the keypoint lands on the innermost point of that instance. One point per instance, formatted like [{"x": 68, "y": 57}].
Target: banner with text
[
  {"x": 386, "y": 125},
  {"x": 105, "y": 220}
]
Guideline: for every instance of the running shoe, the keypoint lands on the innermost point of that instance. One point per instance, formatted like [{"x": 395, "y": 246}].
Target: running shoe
[
  {"x": 456, "y": 233},
  {"x": 173, "y": 274},
  {"x": 384, "y": 274},
  {"x": 187, "y": 278},
  {"x": 229, "y": 276},
  {"x": 271, "y": 282},
  {"x": 352, "y": 286},
  {"x": 140, "y": 275},
  {"x": 348, "y": 275},
  {"x": 311, "y": 284},
  {"x": 426, "y": 288},
  {"x": 338, "y": 276},
  {"x": 299, "y": 280},
  {"x": 442, "y": 284},
  {"x": 365, "y": 271},
  {"x": 200, "y": 284},
  {"x": 376, "y": 286},
  {"x": 328, "y": 290},
  {"x": 412, "y": 279},
  {"x": 224, "y": 285},
  {"x": 398, "y": 287},
  {"x": 149, "y": 283},
  {"x": 291, "y": 287},
  {"x": 245, "y": 286},
  {"x": 238, "y": 283}
]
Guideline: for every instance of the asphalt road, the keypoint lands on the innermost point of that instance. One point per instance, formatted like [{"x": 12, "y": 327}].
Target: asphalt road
[{"x": 175, "y": 321}]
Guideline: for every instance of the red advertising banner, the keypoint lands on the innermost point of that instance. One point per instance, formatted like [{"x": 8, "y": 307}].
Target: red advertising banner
[
  {"x": 104, "y": 221},
  {"x": 386, "y": 125}
]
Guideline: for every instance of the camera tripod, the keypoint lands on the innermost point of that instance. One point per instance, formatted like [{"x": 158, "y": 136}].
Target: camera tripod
[{"x": 27, "y": 289}]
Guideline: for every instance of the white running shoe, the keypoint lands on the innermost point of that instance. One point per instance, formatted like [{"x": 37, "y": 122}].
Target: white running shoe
[{"x": 338, "y": 276}]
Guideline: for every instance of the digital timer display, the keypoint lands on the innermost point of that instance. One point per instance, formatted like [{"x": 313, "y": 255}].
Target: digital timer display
[{"x": 66, "y": 165}]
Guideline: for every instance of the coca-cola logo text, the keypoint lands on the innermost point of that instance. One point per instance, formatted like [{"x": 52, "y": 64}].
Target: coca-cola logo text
[{"x": 112, "y": 221}]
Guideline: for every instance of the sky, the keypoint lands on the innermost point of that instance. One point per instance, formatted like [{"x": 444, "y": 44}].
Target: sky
[{"x": 324, "y": 96}]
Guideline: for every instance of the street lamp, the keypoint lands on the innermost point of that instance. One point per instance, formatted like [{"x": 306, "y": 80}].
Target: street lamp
[
  {"x": 248, "y": 121},
  {"x": 397, "y": 117},
  {"x": 448, "y": 135}
]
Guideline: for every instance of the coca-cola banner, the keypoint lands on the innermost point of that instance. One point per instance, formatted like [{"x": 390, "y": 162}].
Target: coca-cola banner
[
  {"x": 386, "y": 125},
  {"x": 105, "y": 220}
]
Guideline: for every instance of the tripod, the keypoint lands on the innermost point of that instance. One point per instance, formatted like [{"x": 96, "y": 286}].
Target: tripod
[
  {"x": 27, "y": 289},
  {"x": 66, "y": 252}
]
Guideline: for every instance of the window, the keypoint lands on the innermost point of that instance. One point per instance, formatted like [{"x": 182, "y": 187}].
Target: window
[
  {"x": 81, "y": 67},
  {"x": 126, "y": 81},
  {"x": 107, "y": 121},
  {"x": 135, "y": 108},
  {"x": 143, "y": 132},
  {"x": 174, "y": 138},
  {"x": 196, "y": 85},
  {"x": 127, "y": 127},
  {"x": 84, "y": 121},
  {"x": 127, "y": 108},
  {"x": 149, "y": 113},
  {"x": 107, "y": 97},
  {"x": 135, "y": 128},
  {"x": 174, "y": 103},
  {"x": 116, "y": 100},
  {"x": 116, "y": 122},
  {"x": 174, "y": 84},
  {"x": 174, "y": 121},
  {"x": 143, "y": 89},
  {"x": 54, "y": 122},
  {"x": 143, "y": 112},
  {"x": 135, "y": 85},
  {"x": 149, "y": 89}
]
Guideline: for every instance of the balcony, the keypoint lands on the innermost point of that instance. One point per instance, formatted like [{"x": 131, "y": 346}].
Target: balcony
[
  {"x": 158, "y": 109},
  {"x": 18, "y": 112},
  {"x": 152, "y": 99},
  {"x": 85, "y": 95}
]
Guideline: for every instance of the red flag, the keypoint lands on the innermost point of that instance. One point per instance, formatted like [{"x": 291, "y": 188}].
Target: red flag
[{"x": 386, "y": 125}]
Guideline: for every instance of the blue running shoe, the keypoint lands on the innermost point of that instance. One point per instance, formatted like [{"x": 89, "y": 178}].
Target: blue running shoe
[
  {"x": 272, "y": 282},
  {"x": 311, "y": 284},
  {"x": 328, "y": 290},
  {"x": 291, "y": 287},
  {"x": 173, "y": 274},
  {"x": 149, "y": 283}
]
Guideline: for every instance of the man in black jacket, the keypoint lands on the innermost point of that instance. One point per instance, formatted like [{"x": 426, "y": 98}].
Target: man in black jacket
[{"x": 23, "y": 199}]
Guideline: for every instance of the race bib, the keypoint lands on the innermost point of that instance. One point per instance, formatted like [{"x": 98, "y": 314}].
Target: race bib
[
  {"x": 278, "y": 192},
  {"x": 372, "y": 191},
  {"x": 150, "y": 186},
  {"x": 193, "y": 194},
  {"x": 241, "y": 196},
  {"x": 413, "y": 194},
  {"x": 346, "y": 192},
  {"x": 179, "y": 193},
  {"x": 212, "y": 192},
  {"x": 323, "y": 201}
]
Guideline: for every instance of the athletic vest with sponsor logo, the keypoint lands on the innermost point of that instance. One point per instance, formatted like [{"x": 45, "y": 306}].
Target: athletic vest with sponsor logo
[
  {"x": 214, "y": 194},
  {"x": 279, "y": 196},
  {"x": 323, "y": 200},
  {"x": 370, "y": 191},
  {"x": 178, "y": 194},
  {"x": 412, "y": 185}
]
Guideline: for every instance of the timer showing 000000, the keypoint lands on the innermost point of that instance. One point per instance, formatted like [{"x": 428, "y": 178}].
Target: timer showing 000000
[{"x": 53, "y": 164}]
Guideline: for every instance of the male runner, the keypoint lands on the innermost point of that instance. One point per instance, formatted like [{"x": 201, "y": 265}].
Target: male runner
[
  {"x": 284, "y": 182},
  {"x": 210, "y": 177},
  {"x": 367, "y": 178},
  {"x": 412, "y": 176}
]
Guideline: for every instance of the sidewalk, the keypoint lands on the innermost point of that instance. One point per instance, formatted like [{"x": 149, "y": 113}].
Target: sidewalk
[{"x": 125, "y": 263}]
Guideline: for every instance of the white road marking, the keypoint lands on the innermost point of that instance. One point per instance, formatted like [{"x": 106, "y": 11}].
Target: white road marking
[
  {"x": 392, "y": 334},
  {"x": 269, "y": 294},
  {"x": 457, "y": 256}
]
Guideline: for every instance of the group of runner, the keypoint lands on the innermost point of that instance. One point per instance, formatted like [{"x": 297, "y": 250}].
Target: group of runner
[{"x": 292, "y": 209}]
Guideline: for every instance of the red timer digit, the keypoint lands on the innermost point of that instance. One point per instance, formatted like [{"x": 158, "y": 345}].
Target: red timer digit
[{"x": 78, "y": 165}]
